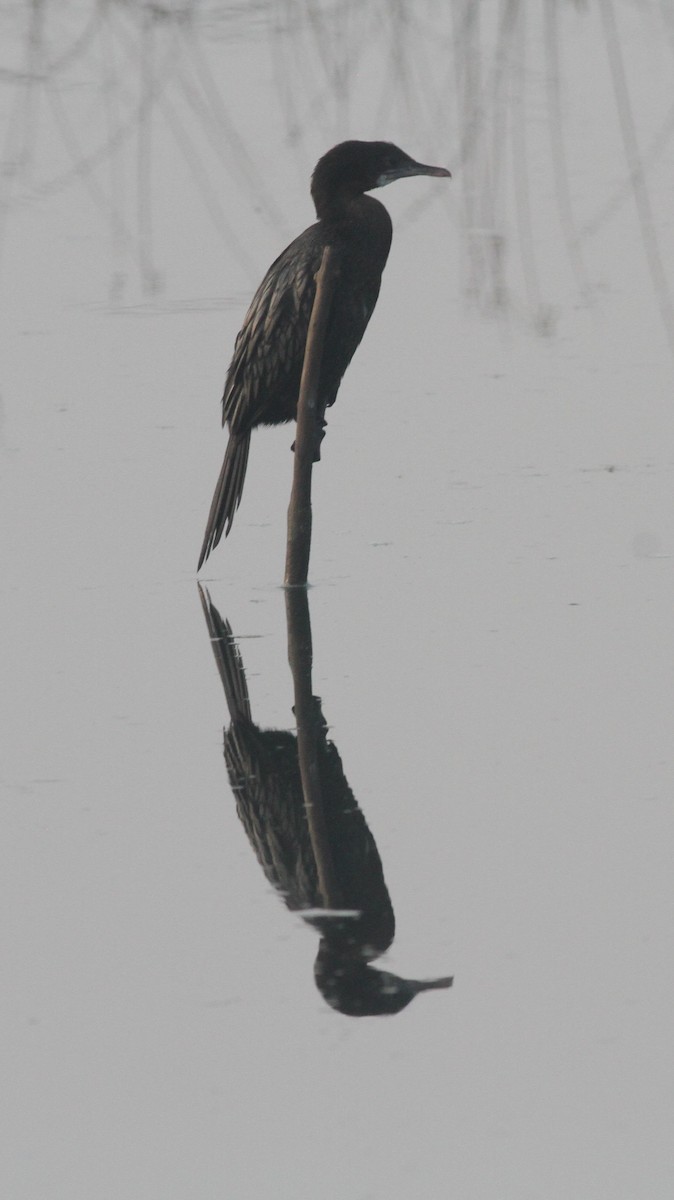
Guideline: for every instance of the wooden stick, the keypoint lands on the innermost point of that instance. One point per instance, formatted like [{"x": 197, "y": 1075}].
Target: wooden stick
[
  {"x": 309, "y": 417},
  {"x": 309, "y": 732}
]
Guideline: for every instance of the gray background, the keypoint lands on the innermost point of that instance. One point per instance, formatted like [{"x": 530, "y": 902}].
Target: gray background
[{"x": 492, "y": 604}]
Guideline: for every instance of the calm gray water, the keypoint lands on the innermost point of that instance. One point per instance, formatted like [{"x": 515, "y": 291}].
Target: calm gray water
[{"x": 491, "y": 606}]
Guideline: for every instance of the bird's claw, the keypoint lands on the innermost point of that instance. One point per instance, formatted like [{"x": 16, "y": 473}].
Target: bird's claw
[{"x": 321, "y": 435}]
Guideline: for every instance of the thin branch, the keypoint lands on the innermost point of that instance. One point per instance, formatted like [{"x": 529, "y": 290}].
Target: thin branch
[{"x": 309, "y": 426}]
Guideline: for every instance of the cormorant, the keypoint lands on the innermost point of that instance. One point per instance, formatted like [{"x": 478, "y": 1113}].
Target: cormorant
[{"x": 263, "y": 379}]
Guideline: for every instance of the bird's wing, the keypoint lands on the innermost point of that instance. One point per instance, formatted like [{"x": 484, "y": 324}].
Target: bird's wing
[{"x": 269, "y": 350}]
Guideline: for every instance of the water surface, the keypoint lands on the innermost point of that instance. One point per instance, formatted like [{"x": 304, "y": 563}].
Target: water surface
[{"x": 491, "y": 606}]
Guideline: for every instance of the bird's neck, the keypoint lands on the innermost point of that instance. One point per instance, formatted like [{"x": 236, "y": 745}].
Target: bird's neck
[
  {"x": 361, "y": 222},
  {"x": 340, "y": 206}
]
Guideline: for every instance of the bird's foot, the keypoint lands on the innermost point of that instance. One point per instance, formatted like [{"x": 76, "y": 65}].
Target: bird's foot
[{"x": 317, "y": 448}]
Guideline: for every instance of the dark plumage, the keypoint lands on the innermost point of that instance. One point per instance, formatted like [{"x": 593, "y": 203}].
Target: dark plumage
[{"x": 263, "y": 379}]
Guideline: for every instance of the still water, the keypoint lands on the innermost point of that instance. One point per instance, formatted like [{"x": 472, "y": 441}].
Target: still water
[{"x": 491, "y": 602}]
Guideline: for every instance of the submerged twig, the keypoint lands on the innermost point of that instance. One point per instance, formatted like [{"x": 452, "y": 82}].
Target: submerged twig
[{"x": 309, "y": 731}]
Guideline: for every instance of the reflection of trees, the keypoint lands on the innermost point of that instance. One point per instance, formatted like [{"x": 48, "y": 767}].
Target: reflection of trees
[
  {"x": 499, "y": 93},
  {"x": 637, "y": 167},
  {"x": 318, "y": 854},
  {"x": 88, "y": 91},
  {"x": 148, "y": 67}
]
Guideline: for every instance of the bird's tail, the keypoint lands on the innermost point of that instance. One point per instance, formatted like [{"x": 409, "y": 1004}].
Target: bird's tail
[
  {"x": 227, "y": 659},
  {"x": 228, "y": 491}
]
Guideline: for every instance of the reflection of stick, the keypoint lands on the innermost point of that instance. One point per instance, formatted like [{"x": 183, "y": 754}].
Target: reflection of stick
[
  {"x": 309, "y": 418},
  {"x": 309, "y": 732}
]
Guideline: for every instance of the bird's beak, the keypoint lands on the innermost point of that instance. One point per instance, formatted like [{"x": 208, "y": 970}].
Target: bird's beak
[
  {"x": 428, "y": 985},
  {"x": 412, "y": 168}
]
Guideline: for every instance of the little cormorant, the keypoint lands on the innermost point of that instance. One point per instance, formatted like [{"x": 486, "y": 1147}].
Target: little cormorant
[{"x": 263, "y": 380}]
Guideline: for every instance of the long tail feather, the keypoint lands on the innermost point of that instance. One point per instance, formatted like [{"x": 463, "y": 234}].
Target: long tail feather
[
  {"x": 227, "y": 659},
  {"x": 227, "y": 495}
]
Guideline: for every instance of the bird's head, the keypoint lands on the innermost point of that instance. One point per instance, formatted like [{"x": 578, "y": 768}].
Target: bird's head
[
  {"x": 352, "y": 168},
  {"x": 354, "y": 987}
]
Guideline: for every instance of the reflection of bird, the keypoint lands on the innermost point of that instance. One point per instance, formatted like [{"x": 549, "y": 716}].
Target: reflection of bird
[
  {"x": 263, "y": 380},
  {"x": 264, "y": 773},
  {"x": 353, "y": 987}
]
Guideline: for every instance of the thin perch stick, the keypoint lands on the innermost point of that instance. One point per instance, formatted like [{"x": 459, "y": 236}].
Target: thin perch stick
[{"x": 309, "y": 417}]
